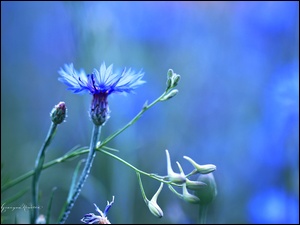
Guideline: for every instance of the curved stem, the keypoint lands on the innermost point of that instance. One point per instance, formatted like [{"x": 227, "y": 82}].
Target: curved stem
[
  {"x": 85, "y": 172},
  {"x": 136, "y": 169},
  {"x": 38, "y": 169}
]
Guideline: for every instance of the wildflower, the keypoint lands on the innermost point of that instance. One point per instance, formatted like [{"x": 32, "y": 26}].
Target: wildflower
[
  {"x": 100, "y": 84},
  {"x": 91, "y": 218}
]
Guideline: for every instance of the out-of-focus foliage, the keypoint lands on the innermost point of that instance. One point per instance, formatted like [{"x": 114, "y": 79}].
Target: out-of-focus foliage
[{"x": 237, "y": 106}]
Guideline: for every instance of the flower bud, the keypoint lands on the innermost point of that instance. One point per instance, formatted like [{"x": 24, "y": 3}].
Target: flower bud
[
  {"x": 58, "y": 113},
  {"x": 170, "y": 73},
  {"x": 169, "y": 95},
  {"x": 155, "y": 209},
  {"x": 208, "y": 193},
  {"x": 189, "y": 197},
  {"x": 175, "y": 79},
  {"x": 186, "y": 196},
  {"x": 194, "y": 185},
  {"x": 174, "y": 177},
  {"x": 203, "y": 169},
  {"x": 152, "y": 204}
]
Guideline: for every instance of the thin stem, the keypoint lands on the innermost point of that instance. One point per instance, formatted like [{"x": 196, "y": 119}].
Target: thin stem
[
  {"x": 38, "y": 169},
  {"x": 78, "y": 152},
  {"x": 85, "y": 172},
  {"x": 63, "y": 158},
  {"x": 144, "y": 109},
  {"x": 136, "y": 169},
  {"x": 142, "y": 188},
  {"x": 202, "y": 213}
]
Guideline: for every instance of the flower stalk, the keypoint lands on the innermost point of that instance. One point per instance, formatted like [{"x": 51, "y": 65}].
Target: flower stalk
[
  {"x": 85, "y": 172},
  {"x": 57, "y": 115},
  {"x": 38, "y": 169}
]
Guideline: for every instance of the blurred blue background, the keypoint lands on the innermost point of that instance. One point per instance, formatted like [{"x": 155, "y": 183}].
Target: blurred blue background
[{"x": 237, "y": 106}]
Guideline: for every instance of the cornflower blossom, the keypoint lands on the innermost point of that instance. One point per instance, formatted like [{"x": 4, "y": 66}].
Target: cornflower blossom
[
  {"x": 100, "y": 84},
  {"x": 91, "y": 218}
]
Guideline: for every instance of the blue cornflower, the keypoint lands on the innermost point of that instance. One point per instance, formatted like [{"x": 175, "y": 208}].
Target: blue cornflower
[
  {"x": 100, "y": 84},
  {"x": 91, "y": 218}
]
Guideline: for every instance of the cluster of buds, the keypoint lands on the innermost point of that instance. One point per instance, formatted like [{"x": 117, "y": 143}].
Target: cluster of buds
[
  {"x": 172, "y": 82},
  {"x": 200, "y": 191},
  {"x": 199, "y": 185}
]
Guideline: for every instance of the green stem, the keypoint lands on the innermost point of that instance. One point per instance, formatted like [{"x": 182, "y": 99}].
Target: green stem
[
  {"x": 78, "y": 152},
  {"x": 136, "y": 169},
  {"x": 202, "y": 213},
  {"x": 65, "y": 157},
  {"x": 144, "y": 109},
  {"x": 38, "y": 169},
  {"x": 85, "y": 172},
  {"x": 142, "y": 188}
]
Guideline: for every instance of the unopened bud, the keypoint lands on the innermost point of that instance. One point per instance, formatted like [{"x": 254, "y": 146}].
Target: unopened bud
[
  {"x": 169, "y": 95},
  {"x": 203, "y": 169},
  {"x": 155, "y": 209},
  {"x": 176, "y": 79},
  {"x": 152, "y": 204},
  {"x": 194, "y": 185},
  {"x": 174, "y": 177},
  {"x": 170, "y": 73},
  {"x": 189, "y": 197},
  {"x": 58, "y": 113}
]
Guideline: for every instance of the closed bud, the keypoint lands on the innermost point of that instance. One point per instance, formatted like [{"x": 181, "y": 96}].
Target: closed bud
[
  {"x": 155, "y": 209},
  {"x": 194, "y": 185},
  {"x": 152, "y": 204},
  {"x": 189, "y": 197},
  {"x": 177, "y": 178},
  {"x": 170, "y": 73},
  {"x": 58, "y": 113},
  {"x": 176, "y": 79},
  {"x": 169, "y": 95},
  {"x": 203, "y": 169}
]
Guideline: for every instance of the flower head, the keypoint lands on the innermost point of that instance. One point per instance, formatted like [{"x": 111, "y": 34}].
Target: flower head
[
  {"x": 100, "y": 84},
  {"x": 91, "y": 218},
  {"x": 104, "y": 81}
]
